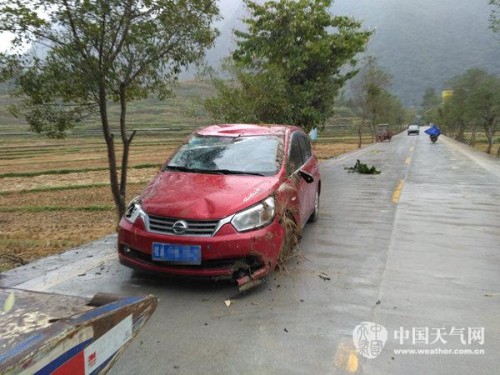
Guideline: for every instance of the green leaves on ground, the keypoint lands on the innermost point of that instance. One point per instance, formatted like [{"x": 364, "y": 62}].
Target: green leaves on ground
[{"x": 362, "y": 168}]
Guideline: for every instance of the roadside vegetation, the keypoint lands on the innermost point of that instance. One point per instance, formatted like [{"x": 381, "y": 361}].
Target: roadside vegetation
[
  {"x": 54, "y": 193},
  {"x": 470, "y": 112}
]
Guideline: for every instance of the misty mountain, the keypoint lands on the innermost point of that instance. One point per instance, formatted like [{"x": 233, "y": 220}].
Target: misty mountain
[{"x": 420, "y": 43}]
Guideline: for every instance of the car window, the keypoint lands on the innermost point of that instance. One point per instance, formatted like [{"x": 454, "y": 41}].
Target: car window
[
  {"x": 296, "y": 155},
  {"x": 252, "y": 154},
  {"x": 305, "y": 145}
]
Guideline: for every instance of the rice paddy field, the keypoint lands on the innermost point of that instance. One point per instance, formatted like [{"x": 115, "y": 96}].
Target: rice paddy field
[{"x": 55, "y": 194}]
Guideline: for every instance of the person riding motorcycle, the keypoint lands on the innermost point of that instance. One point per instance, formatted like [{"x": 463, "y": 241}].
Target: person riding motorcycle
[{"x": 433, "y": 132}]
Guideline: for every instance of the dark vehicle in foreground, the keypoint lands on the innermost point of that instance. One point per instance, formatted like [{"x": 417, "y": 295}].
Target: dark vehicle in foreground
[
  {"x": 413, "y": 129},
  {"x": 225, "y": 205},
  {"x": 49, "y": 333}
]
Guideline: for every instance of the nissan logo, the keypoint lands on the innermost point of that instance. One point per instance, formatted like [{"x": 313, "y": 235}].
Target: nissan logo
[{"x": 180, "y": 227}]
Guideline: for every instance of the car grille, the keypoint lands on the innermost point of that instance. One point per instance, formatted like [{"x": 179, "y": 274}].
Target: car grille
[{"x": 194, "y": 228}]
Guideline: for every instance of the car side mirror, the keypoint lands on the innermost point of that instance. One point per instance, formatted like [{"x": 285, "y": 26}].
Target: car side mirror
[{"x": 306, "y": 176}]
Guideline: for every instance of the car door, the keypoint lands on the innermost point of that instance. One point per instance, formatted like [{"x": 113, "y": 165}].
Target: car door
[
  {"x": 296, "y": 161},
  {"x": 311, "y": 167}
]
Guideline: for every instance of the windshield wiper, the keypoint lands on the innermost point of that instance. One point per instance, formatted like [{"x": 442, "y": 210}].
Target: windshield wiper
[
  {"x": 228, "y": 171},
  {"x": 179, "y": 168},
  {"x": 212, "y": 171}
]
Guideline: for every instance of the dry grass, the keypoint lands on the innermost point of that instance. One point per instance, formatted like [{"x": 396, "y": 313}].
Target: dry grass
[
  {"x": 41, "y": 223},
  {"x": 29, "y": 236},
  {"x": 290, "y": 248},
  {"x": 75, "y": 208},
  {"x": 326, "y": 151},
  {"x": 12, "y": 184}
]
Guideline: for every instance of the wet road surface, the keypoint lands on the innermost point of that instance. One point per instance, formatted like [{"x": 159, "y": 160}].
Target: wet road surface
[{"x": 415, "y": 249}]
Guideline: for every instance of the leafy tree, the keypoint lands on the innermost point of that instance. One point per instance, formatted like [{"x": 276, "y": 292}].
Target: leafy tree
[
  {"x": 101, "y": 51},
  {"x": 289, "y": 65},
  {"x": 484, "y": 105},
  {"x": 430, "y": 105},
  {"x": 453, "y": 115},
  {"x": 475, "y": 103},
  {"x": 371, "y": 100}
]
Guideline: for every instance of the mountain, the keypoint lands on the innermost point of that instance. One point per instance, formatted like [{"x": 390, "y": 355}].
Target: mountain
[{"x": 420, "y": 43}]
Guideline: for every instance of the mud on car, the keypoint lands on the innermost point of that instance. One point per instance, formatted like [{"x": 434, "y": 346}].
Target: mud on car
[{"x": 227, "y": 204}]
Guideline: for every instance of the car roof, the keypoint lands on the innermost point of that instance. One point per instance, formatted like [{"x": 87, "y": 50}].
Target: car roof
[{"x": 235, "y": 130}]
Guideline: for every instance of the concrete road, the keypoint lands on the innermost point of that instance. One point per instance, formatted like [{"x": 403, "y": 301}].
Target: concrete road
[{"x": 415, "y": 249}]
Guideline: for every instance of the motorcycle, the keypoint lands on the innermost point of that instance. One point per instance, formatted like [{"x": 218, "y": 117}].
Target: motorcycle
[{"x": 433, "y": 133}]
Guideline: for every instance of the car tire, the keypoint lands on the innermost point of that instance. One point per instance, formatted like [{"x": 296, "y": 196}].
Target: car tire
[{"x": 315, "y": 215}]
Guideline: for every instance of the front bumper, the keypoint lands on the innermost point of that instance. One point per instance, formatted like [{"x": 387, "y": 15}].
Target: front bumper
[{"x": 227, "y": 254}]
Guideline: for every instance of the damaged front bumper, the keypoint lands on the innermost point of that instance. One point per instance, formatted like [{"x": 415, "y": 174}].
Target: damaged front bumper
[{"x": 243, "y": 257}]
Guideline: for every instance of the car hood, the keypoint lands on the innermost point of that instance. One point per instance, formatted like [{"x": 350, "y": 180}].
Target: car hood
[{"x": 199, "y": 196}]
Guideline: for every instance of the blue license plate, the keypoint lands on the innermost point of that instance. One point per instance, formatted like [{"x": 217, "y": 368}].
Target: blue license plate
[{"x": 182, "y": 254}]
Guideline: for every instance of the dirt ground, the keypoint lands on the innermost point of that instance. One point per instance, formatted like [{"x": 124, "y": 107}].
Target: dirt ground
[{"x": 67, "y": 210}]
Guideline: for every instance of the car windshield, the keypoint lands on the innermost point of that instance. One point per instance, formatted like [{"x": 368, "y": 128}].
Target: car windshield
[{"x": 255, "y": 155}]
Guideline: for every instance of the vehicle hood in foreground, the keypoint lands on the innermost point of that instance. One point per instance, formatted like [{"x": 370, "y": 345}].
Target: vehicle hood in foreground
[{"x": 201, "y": 196}]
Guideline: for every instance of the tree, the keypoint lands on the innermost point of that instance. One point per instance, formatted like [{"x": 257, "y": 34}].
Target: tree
[
  {"x": 495, "y": 16},
  {"x": 430, "y": 105},
  {"x": 475, "y": 103},
  {"x": 430, "y": 99},
  {"x": 370, "y": 99},
  {"x": 289, "y": 65},
  {"x": 453, "y": 115},
  {"x": 97, "y": 52}
]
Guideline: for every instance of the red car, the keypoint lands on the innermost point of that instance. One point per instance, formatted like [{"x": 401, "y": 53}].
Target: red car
[{"x": 222, "y": 205}]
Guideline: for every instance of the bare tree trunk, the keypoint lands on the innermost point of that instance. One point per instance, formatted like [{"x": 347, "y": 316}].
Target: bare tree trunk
[
  {"x": 108, "y": 137},
  {"x": 360, "y": 132},
  {"x": 472, "y": 140},
  {"x": 373, "y": 131},
  {"x": 126, "y": 147},
  {"x": 489, "y": 137},
  {"x": 460, "y": 132}
]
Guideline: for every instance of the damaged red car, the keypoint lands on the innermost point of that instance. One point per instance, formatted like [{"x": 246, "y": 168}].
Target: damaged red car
[{"x": 225, "y": 205}]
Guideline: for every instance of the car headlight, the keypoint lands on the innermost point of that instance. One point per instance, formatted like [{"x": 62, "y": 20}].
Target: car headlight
[
  {"x": 134, "y": 210},
  {"x": 254, "y": 217}
]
